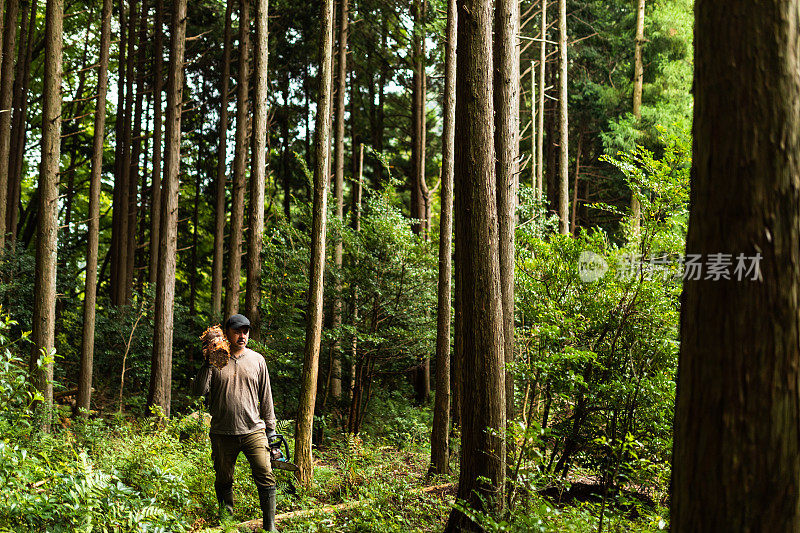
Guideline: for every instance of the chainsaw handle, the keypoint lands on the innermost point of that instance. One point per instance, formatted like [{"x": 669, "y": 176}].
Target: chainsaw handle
[{"x": 277, "y": 440}]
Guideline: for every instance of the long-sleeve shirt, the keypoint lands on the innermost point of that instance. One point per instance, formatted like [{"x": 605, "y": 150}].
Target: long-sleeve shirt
[{"x": 240, "y": 395}]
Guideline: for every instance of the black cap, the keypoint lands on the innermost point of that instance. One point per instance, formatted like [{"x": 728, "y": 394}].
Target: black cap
[{"x": 236, "y": 321}]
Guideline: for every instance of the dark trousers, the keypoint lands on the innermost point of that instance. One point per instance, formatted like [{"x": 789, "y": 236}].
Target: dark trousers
[{"x": 225, "y": 449}]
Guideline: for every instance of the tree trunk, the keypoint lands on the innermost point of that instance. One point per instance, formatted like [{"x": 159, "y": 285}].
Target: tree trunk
[
  {"x": 135, "y": 151},
  {"x": 418, "y": 125},
  {"x": 161, "y": 369},
  {"x": 638, "y": 79},
  {"x": 483, "y": 424},
  {"x": 222, "y": 155},
  {"x": 574, "y": 214},
  {"x": 44, "y": 307},
  {"x": 338, "y": 193},
  {"x": 155, "y": 195},
  {"x": 257, "y": 172},
  {"x": 308, "y": 389},
  {"x": 736, "y": 438},
  {"x": 6, "y": 86},
  {"x": 440, "y": 444},
  {"x": 540, "y": 187},
  {"x": 239, "y": 161},
  {"x": 506, "y": 117},
  {"x": 21, "y": 84},
  {"x": 563, "y": 139},
  {"x": 90, "y": 294},
  {"x": 357, "y": 228}
]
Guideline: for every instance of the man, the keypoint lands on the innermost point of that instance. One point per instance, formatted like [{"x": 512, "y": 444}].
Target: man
[{"x": 242, "y": 418}]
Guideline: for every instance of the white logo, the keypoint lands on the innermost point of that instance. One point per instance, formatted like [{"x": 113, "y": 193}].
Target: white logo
[{"x": 591, "y": 266}]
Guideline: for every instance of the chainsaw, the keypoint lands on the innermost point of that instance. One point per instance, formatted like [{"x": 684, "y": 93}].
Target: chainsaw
[{"x": 279, "y": 453}]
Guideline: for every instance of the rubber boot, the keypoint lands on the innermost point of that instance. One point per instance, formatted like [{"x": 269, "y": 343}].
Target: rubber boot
[
  {"x": 266, "y": 497},
  {"x": 225, "y": 499}
]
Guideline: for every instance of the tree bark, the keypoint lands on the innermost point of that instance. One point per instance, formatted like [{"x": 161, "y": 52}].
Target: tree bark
[
  {"x": 222, "y": 156},
  {"x": 90, "y": 294},
  {"x": 483, "y": 424},
  {"x": 239, "y": 161},
  {"x": 638, "y": 81},
  {"x": 135, "y": 151},
  {"x": 308, "y": 389},
  {"x": 563, "y": 152},
  {"x": 161, "y": 369},
  {"x": 338, "y": 193},
  {"x": 257, "y": 172},
  {"x": 440, "y": 443},
  {"x": 540, "y": 187},
  {"x": 6, "y": 86},
  {"x": 44, "y": 307},
  {"x": 155, "y": 194},
  {"x": 506, "y": 117},
  {"x": 736, "y": 436},
  {"x": 21, "y": 85}
]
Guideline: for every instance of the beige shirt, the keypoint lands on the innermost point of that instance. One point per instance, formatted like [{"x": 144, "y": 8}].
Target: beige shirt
[{"x": 240, "y": 396}]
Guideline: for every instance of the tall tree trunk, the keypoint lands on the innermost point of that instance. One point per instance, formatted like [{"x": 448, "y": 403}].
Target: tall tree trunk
[
  {"x": 540, "y": 186},
  {"x": 257, "y": 172},
  {"x": 357, "y": 192},
  {"x": 736, "y": 438},
  {"x": 239, "y": 162},
  {"x": 222, "y": 156},
  {"x": 161, "y": 368},
  {"x": 483, "y": 424},
  {"x": 44, "y": 289},
  {"x": 123, "y": 175},
  {"x": 418, "y": 119},
  {"x": 155, "y": 188},
  {"x": 135, "y": 151},
  {"x": 574, "y": 214},
  {"x": 308, "y": 387},
  {"x": 506, "y": 117},
  {"x": 440, "y": 443},
  {"x": 21, "y": 84},
  {"x": 90, "y": 294},
  {"x": 563, "y": 138},
  {"x": 338, "y": 193},
  {"x": 638, "y": 81},
  {"x": 6, "y": 86}
]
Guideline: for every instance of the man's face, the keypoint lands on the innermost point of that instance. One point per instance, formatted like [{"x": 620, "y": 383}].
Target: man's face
[{"x": 238, "y": 337}]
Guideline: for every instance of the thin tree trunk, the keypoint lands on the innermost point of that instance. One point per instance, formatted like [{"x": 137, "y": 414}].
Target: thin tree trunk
[
  {"x": 574, "y": 214},
  {"x": 338, "y": 193},
  {"x": 736, "y": 438},
  {"x": 21, "y": 84},
  {"x": 357, "y": 228},
  {"x": 638, "y": 80},
  {"x": 542, "y": 70},
  {"x": 90, "y": 294},
  {"x": 6, "y": 86},
  {"x": 155, "y": 194},
  {"x": 222, "y": 151},
  {"x": 161, "y": 370},
  {"x": 44, "y": 307},
  {"x": 308, "y": 388},
  {"x": 483, "y": 424},
  {"x": 117, "y": 215},
  {"x": 506, "y": 118},
  {"x": 239, "y": 162},
  {"x": 563, "y": 152},
  {"x": 257, "y": 172},
  {"x": 440, "y": 442},
  {"x": 135, "y": 151}
]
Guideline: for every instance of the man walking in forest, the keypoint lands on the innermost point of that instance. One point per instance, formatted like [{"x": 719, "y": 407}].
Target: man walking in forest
[{"x": 242, "y": 414}]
